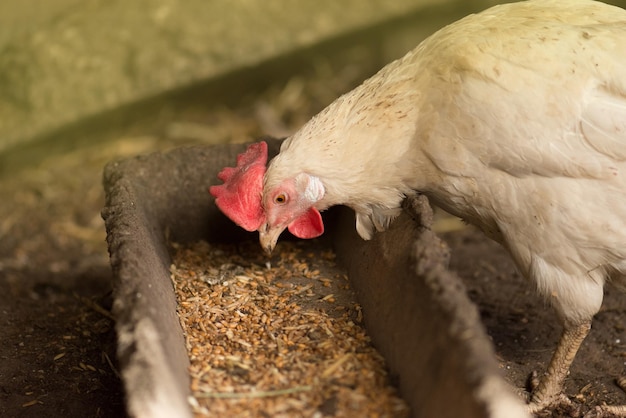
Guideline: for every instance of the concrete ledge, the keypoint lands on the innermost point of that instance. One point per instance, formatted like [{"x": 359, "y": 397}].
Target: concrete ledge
[{"x": 415, "y": 310}]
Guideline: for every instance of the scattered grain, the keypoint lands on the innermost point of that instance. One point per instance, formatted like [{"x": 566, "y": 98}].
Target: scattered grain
[
  {"x": 281, "y": 338},
  {"x": 30, "y": 403}
]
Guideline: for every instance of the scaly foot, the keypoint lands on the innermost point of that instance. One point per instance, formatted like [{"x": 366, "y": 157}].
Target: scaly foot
[
  {"x": 546, "y": 398},
  {"x": 548, "y": 391}
]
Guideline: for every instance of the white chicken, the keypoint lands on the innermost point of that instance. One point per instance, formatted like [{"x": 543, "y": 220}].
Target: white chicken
[{"x": 513, "y": 119}]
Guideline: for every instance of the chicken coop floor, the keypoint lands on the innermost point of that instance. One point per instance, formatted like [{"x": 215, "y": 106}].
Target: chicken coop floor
[{"x": 57, "y": 348}]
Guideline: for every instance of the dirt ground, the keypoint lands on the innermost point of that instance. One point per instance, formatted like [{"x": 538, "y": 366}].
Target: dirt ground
[{"x": 58, "y": 344}]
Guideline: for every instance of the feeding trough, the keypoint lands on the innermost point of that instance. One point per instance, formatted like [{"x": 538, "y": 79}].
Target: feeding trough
[{"x": 415, "y": 310}]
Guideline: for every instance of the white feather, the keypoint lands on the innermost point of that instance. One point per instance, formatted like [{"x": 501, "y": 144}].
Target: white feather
[{"x": 513, "y": 119}]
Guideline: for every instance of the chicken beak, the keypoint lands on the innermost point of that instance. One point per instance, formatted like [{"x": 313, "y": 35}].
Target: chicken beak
[{"x": 268, "y": 237}]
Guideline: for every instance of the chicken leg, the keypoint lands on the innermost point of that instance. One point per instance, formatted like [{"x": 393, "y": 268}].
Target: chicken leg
[{"x": 550, "y": 389}]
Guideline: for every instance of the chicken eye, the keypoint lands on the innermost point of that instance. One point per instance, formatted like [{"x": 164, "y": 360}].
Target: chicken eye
[{"x": 280, "y": 199}]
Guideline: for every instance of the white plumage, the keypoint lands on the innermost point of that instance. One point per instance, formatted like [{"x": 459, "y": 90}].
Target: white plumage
[{"x": 513, "y": 119}]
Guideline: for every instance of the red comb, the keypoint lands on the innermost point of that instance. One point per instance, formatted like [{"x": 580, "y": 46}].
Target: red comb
[{"x": 240, "y": 195}]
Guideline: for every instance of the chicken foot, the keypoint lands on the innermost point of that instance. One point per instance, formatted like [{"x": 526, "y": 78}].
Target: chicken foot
[
  {"x": 616, "y": 410},
  {"x": 549, "y": 391}
]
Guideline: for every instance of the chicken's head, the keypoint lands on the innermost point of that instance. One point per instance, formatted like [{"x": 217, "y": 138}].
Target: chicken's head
[{"x": 291, "y": 205}]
